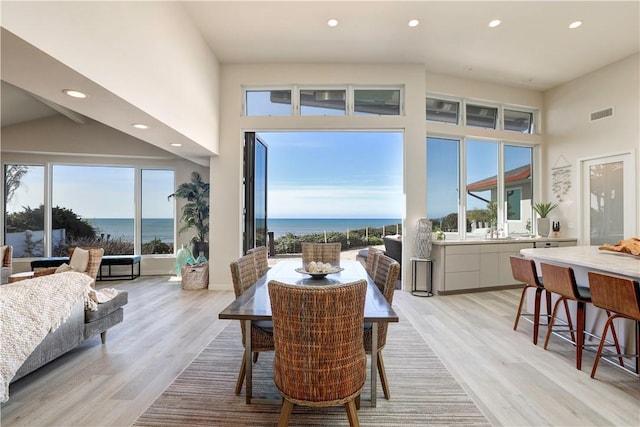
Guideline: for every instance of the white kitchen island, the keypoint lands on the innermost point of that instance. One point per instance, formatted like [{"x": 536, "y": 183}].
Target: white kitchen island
[{"x": 589, "y": 258}]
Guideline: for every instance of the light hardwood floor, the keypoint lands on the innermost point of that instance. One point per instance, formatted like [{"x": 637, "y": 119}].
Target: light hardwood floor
[{"x": 514, "y": 382}]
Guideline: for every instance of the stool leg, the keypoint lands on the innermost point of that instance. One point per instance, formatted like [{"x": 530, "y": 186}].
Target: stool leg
[
  {"x": 524, "y": 290},
  {"x": 536, "y": 315},
  {"x": 599, "y": 353},
  {"x": 580, "y": 334},
  {"x": 551, "y": 322},
  {"x": 615, "y": 339}
]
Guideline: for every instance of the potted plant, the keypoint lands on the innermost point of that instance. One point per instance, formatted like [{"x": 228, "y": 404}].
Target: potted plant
[
  {"x": 543, "y": 223},
  {"x": 195, "y": 213}
]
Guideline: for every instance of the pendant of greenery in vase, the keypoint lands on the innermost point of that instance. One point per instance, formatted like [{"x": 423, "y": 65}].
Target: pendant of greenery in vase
[{"x": 543, "y": 224}]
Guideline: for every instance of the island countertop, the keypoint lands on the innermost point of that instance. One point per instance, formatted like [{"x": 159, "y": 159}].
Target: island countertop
[{"x": 589, "y": 257}]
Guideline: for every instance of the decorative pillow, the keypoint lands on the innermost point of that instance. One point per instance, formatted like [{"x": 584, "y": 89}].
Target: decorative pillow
[
  {"x": 2, "y": 251},
  {"x": 64, "y": 267},
  {"x": 79, "y": 260}
]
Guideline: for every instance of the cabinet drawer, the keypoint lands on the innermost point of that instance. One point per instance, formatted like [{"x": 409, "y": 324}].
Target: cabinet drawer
[
  {"x": 468, "y": 262},
  {"x": 463, "y": 249},
  {"x": 462, "y": 280}
]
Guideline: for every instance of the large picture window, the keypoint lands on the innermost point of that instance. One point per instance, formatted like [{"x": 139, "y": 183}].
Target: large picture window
[
  {"x": 90, "y": 206},
  {"x": 497, "y": 181}
]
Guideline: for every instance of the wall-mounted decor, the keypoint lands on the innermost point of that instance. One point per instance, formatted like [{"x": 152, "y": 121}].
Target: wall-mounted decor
[{"x": 561, "y": 178}]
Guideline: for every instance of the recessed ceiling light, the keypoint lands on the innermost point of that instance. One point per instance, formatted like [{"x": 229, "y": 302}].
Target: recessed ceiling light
[
  {"x": 176, "y": 144},
  {"x": 575, "y": 24},
  {"x": 74, "y": 93},
  {"x": 495, "y": 23},
  {"x": 332, "y": 22},
  {"x": 140, "y": 126},
  {"x": 414, "y": 22}
]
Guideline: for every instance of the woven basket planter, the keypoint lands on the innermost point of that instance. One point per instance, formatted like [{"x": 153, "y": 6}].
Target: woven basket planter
[{"x": 195, "y": 277}]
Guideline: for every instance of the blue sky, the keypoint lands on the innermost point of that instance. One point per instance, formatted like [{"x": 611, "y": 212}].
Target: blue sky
[{"x": 334, "y": 174}]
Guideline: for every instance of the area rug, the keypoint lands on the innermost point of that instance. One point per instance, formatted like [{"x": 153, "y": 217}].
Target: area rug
[{"x": 423, "y": 392}]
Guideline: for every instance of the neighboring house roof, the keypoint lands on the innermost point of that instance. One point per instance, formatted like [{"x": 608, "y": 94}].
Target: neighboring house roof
[{"x": 510, "y": 177}]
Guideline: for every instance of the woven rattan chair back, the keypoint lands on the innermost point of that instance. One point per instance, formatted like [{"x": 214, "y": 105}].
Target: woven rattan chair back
[
  {"x": 319, "y": 359},
  {"x": 620, "y": 297},
  {"x": 93, "y": 266},
  {"x": 372, "y": 260},
  {"x": 260, "y": 258},
  {"x": 243, "y": 274},
  {"x": 323, "y": 252}
]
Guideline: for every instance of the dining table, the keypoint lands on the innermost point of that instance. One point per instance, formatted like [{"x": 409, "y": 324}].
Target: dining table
[{"x": 254, "y": 305}]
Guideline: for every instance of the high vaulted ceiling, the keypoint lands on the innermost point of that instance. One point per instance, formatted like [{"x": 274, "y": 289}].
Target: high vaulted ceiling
[{"x": 532, "y": 48}]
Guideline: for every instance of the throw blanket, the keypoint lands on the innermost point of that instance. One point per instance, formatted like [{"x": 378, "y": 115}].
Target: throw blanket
[
  {"x": 628, "y": 246},
  {"x": 29, "y": 310}
]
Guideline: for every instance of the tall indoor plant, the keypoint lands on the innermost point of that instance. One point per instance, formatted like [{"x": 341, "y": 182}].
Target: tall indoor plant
[
  {"x": 195, "y": 213},
  {"x": 543, "y": 223}
]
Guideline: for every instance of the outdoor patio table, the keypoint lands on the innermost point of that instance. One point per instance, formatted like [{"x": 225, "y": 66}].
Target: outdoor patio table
[{"x": 254, "y": 304}]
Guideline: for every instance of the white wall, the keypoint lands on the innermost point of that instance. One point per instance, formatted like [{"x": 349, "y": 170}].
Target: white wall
[
  {"x": 226, "y": 170},
  {"x": 569, "y": 133},
  {"x": 147, "y": 53}
]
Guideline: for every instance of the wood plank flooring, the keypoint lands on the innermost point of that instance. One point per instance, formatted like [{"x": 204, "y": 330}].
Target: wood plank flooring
[{"x": 510, "y": 379}]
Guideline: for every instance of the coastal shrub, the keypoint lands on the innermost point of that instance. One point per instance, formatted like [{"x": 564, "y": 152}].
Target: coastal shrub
[{"x": 291, "y": 243}]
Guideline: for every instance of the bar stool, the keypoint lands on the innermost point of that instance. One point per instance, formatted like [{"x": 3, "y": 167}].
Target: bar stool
[
  {"x": 524, "y": 271},
  {"x": 622, "y": 297},
  {"x": 561, "y": 281}
]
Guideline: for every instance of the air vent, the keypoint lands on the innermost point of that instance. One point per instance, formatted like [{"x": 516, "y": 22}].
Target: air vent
[{"x": 597, "y": 115}]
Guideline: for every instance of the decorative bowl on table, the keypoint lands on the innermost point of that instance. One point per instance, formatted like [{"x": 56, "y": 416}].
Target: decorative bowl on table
[{"x": 318, "y": 270}]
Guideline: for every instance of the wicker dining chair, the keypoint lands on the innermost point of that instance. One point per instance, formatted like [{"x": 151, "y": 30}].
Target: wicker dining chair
[
  {"x": 323, "y": 252},
  {"x": 386, "y": 275},
  {"x": 372, "y": 260},
  {"x": 524, "y": 271},
  {"x": 319, "y": 359},
  {"x": 260, "y": 257},
  {"x": 243, "y": 275},
  {"x": 92, "y": 269}
]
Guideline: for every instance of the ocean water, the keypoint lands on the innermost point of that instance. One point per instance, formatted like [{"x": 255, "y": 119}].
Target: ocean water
[
  {"x": 122, "y": 228},
  {"x": 281, "y": 226},
  {"x": 162, "y": 228}
]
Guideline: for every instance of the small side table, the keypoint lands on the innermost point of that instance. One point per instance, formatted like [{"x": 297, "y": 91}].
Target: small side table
[
  {"x": 16, "y": 277},
  {"x": 428, "y": 291}
]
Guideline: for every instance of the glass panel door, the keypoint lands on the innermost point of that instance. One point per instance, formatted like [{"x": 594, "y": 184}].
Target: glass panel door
[
  {"x": 608, "y": 199},
  {"x": 255, "y": 192}
]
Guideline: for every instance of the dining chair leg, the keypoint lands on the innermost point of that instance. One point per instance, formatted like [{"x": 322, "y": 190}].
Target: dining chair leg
[
  {"x": 255, "y": 356},
  {"x": 241, "y": 375},
  {"x": 352, "y": 413},
  {"x": 383, "y": 377},
  {"x": 285, "y": 413},
  {"x": 357, "y": 399}
]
